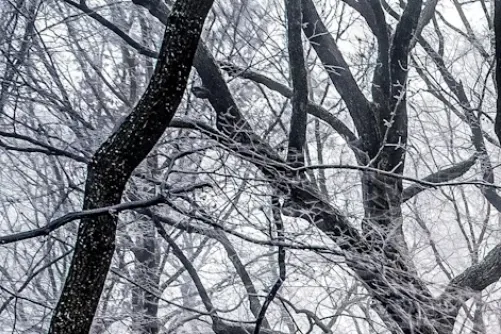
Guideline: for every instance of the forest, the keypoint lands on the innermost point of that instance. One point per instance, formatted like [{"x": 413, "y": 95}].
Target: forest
[{"x": 250, "y": 166}]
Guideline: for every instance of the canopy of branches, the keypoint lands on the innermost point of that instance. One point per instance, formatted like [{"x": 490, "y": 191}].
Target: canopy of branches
[{"x": 237, "y": 166}]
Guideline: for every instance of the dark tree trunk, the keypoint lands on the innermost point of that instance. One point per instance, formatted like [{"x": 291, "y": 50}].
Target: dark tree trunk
[
  {"x": 117, "y": 158},
  {"x": 497, "y": 37},
  {"x": 297, "y": 134}
]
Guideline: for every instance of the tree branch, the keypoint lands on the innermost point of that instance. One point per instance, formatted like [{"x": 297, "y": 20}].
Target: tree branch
[
  {"x": 297, "y": 133},
  {"x": 120, "y": 33},
  {"x": 400, "y": 47},
  {"x": 229, "y": 120},
  {"x": 337, "y": 68},
  {"x": 497, "y": 38},
  {"x": 462, "y": 287},
  {"x": 471, "y": 119},
  {"x": 312, "y": 108},
  {"x": 219, "y": 326},
  {"x": 426, "y": 16},
  {"x": 277, "y": 218},
  {"x": 381, "y": 82},
  {"x": 45, "y": 148},
  {"x": 481, "y": 275},
  {"x": 444, "y": 175},
  {"x": 177, "y": 251},
  {"x": 60, "y": 222}
]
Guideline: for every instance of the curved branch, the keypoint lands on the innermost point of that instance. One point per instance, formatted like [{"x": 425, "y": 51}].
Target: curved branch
[
  {"x": 242, "y": 272},
  {"x": 218, "y": 325},
  {"x": 463, "y": 287},
  {"x": 479, "y": 276},
  {"x": 443, "y": 175},
  {"x": 312, "y": 108}
]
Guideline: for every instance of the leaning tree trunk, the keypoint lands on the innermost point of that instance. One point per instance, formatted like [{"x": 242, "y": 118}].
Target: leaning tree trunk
[{"x": 116, "y": 159}]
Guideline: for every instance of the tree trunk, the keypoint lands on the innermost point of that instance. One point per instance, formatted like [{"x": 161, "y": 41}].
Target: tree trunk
[{"x": 116, "y": 159}]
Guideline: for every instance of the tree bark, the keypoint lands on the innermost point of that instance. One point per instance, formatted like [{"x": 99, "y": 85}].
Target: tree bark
[
  {"x": 297, "y": 69},
  {"x": 497, "y": 39},
  {"x": 116, "y": 159}
]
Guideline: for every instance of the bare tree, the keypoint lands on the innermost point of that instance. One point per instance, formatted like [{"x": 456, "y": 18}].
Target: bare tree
[
  {"x": 292, "y": 192},
  {"x": 113, "y": 163}
]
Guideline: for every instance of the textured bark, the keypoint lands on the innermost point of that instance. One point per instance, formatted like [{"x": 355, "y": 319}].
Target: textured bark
[
  {"x": 497, "y": 38},
  {"x": 117, "y": 158},
  {"x": 443, "y": 175},
  {"x": 145, "y": 304},
  {"x": 297, "y": 133},
  {"x": 381, "y": 88},
  {"x": 339, "y": 72},
  {"x": 376, "y": 254}
]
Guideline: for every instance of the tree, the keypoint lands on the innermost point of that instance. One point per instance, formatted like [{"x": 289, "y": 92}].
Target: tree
[{"x": 340, "y": 195}]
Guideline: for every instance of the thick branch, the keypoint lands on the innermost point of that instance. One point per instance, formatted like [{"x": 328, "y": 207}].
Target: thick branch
[
  {"x": 400, "y": 47},
  {"x": 364, "y": 9},
  {"x": 444, "y": 175},
  {"x": 381, "y": 81},
  {"x": 497, "y": 37},
  {"x": 297, "y": 133},
  {"x": 229, "y": 119},
  {"x": 462, "y": 287},
  {"x": 337, "y": 68},
  {"x": 392, "y": 118},
  {"x": 427, "y": 15},
  {"x": 481, "y": 275}
]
